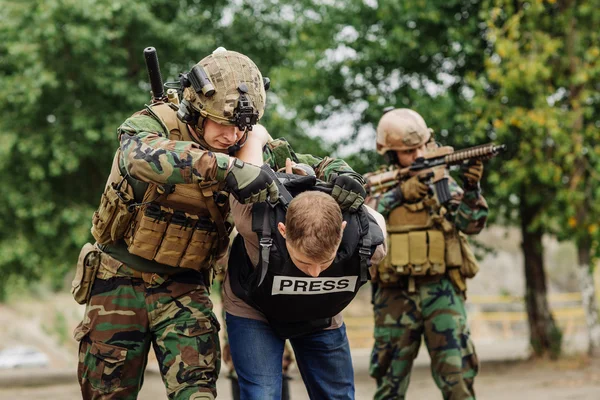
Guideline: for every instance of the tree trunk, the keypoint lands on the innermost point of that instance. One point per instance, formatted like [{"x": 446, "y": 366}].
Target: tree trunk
[
  {"x": 588, "y": 295},
  {"x": 544, "y": 336}
]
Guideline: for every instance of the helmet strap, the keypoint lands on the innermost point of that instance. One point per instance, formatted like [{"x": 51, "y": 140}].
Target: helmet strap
[{"x": 240, "y": 143}]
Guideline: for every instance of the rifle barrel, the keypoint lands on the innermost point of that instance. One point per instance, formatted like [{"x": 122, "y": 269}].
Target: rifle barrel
[{"x": 486, "y": 150}]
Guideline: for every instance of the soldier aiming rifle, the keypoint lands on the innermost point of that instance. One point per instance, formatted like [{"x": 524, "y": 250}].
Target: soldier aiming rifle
[{"x": 420, "y": 286}]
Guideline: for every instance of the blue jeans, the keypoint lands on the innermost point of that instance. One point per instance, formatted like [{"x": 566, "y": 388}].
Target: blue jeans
[{"x": 323, "y": 358}]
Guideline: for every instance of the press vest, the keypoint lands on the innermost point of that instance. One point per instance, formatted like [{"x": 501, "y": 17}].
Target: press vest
[
  {"x": 295, "y": 303},
  {"x": 153, "y": 227}
]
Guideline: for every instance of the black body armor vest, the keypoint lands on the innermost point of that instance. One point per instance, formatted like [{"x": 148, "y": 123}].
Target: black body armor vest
[{"x": 294, "y": 303}]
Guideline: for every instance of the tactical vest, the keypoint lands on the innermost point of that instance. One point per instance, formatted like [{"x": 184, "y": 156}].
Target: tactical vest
[
  {"x": 162, "y": 226},
  {"x": 294, "y": 303},
  {"x": 421, "y": 242}
]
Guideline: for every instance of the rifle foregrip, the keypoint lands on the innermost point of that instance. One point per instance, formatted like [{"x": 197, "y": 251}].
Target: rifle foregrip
[{"x": 156, "y": 82}]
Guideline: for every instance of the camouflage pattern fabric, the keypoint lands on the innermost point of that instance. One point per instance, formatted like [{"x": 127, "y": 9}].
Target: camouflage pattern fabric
[
  {"x": 150, "y": 156},
  {"x": 435, "y": 312},
  {"x": 468, "y": 210},
  {"x": 129, "y": 310},
  {"x": 276, "y": 151}
]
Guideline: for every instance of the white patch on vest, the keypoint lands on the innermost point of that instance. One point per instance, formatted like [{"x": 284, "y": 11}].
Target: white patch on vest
[{"x": 295, "y": 285}]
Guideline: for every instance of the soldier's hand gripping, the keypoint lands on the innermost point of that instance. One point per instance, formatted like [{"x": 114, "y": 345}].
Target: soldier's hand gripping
[
  {"x": 414, "y": 189},
  {"x": 250, "y": 184},
  {"x": 349, "y": 190},
  {"x": 471, "y": 174}
]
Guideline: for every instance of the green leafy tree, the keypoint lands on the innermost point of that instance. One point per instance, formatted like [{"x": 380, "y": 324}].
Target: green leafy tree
[
  {"x": 70, "y": 72},
  {"x": 537, "y": 95},
  {"x": 353, "y": 58}
]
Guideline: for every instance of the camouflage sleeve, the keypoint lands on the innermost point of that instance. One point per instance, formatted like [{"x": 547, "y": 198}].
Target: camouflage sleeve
[
  {"x": 149, "y": 156},
  {"x": 469, "y": 210},
  {"x": 385, "y": 202},
  {"x": 328, "y": 166},
  {"x": 276, "y": 151}
]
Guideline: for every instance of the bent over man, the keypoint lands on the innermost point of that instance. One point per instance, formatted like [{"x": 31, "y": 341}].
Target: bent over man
[
  {"x": 420, "y": 285},
  {"x": 292, "y": 269},
  {"x": 161, "y": 224}
]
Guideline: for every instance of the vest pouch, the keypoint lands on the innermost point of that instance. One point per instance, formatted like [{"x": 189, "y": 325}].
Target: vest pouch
[
  {"x": 470, "y": 266},
  {"x": 85, "y": 273},
  {"x": 111, "y": 220},
  {"x": 149, "y": 231},
  {"x": 410, "y": 216},
  {"x": 201, "y": 245},
  {"x": 386, "y": 273},
  {"x": 454, "y": 256},
  {"x": 399, "y": 252},
  {"x": 437, "y": 254},
  {"x": 122, "y": 218},
  {"x": 175, "y": 239},
  {"x": 417, "y": 243}
]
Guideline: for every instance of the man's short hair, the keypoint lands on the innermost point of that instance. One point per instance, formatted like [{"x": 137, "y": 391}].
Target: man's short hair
[{"x": 313, "y": 224}]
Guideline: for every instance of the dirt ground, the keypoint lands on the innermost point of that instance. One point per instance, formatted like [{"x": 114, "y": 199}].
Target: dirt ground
[
  {"x": 48, "y": 323},
  {"x": 573, "y": 379}
]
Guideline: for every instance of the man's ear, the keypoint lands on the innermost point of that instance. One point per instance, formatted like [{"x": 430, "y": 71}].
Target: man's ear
[
  {"x": 344, "y": 225},
  {"x": 281, "y": 228}
]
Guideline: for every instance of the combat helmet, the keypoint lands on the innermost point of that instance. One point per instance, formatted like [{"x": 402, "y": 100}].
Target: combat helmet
[
  {"x": 226, "y": 87},
  {"x": 401, "y": 129}
]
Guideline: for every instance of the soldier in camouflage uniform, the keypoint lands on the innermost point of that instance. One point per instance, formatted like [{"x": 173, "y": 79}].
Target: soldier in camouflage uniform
[
  {"x": 161, "y": 224},
  {"x": 420, "y": 287}
]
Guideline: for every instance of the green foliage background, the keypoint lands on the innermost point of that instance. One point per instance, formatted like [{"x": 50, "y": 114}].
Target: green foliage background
[{"x": 522, "y": 73}]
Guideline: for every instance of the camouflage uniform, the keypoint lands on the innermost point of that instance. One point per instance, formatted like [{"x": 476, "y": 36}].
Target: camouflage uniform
[
  {"x": 160, "y": 227},
  {"x": 127, "y": 312},
  {"x": 129, "y": 309},
  {"x": 410, "y": 305},
  {"x": 435, "y": 311}
]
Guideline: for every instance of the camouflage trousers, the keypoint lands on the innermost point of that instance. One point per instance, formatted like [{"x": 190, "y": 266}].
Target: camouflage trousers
[
  {"x": 125, "y": 314},
  {"x": 436, "y": 312}
]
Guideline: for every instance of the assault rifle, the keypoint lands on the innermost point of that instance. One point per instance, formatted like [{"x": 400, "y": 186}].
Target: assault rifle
[{"x": 432, "y": 168}]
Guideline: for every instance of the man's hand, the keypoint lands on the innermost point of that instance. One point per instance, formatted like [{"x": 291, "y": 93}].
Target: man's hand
[
  {"x": 349, "y": 191},
  {"x": 414, "y": 189},
  {"x": 297, "y": 169},
  {"x": 471, "y": 174},
  {"x": 250, "y": 184}
]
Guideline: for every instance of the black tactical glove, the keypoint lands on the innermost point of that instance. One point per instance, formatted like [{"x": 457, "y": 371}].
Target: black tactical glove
[
  {"x": 471, "y": 173},
  {"x": 349, "y": 190},
  {"x": 414, "y": 189},
  {"x": 250, "y": 184}
]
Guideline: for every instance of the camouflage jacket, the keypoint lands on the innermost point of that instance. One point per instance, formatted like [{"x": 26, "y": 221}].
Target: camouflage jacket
[
  {"x": 467, "y": 210},
  {"x": 276, "y": 151},
  {"x": 149, "y": 156}
]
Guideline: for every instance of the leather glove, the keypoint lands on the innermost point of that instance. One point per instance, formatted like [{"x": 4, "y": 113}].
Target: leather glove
[
  {"x": 349, "y": 191},
  {"x": 250, "y": 184},
  {"x": 471, "y": 173},
  {"x": 414, "y": 189}
]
